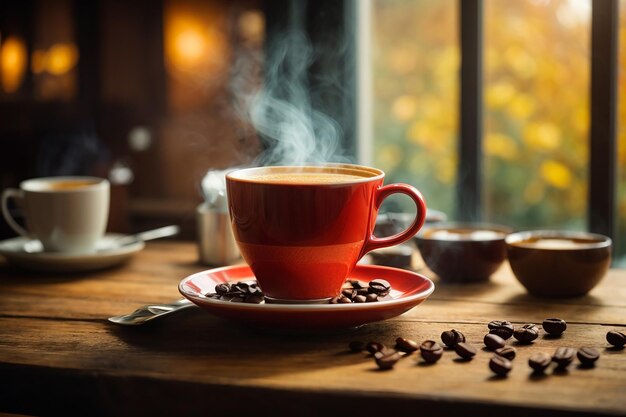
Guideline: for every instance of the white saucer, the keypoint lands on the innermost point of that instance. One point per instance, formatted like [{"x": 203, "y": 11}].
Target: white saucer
[{"x": 106, "y": 255}]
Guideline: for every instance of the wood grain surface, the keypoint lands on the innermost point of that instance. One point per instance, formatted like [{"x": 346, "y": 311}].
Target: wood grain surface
[{"x": 58, "y": 354}]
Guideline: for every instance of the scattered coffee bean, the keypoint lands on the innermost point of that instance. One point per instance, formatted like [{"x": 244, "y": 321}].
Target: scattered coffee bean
[
  {"x": 554, "y": 326},
  {"x": 493, "y": 341},
  {"x": 239, "y": 292},
  {"x": 539, "y": 361},
  {"x": 507, "y": 352},
  {"x": 353, "y": 283},
  {"x": 502, "y": 328},
  {"x": 406, "y": 345},
  {"x": 500, "y": 365},
  {"x": 340, "y": 299},
  {"x": 348, "y": 293},
  {"x": 354, "y": 291},
  {"x": 451, "y": 337},
  {"x": 563, "y": 356},
  {"x": 587, "y": 356},
  {"x": 465, "y": 350},
  {"x": 386, "y": 360},
  {"x": 359, "y": 299},
  {"x": 379, "y": 287},
  {"x": 357, "y": 346},
  {"x": 222, "y": 289},
  {"x": 373, "y": 347},
  {"x": 255, "y": 298},
  {"x": 370, "y": 298},
  {"x": 526, "y": 334},
  {"x": 617, "y": 339},
  {"x": 431, "y": 351}
]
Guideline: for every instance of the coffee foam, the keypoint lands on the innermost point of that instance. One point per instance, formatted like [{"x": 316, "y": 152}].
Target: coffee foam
[
  {"x": 339, "y": 174},
  {"x": 306, "y": 178}
]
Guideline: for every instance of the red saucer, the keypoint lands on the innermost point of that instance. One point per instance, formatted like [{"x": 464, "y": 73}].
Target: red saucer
[{"x": 408, "y": 290}]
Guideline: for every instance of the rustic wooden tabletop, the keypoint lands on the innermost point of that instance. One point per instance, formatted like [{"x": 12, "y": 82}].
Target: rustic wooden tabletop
[{"x": 58, "y": 354}]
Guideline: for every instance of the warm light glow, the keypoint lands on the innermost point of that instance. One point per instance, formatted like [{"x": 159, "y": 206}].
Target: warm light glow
[
  {"x": 12, "y": 63},
  {"x": 192, "y": 44},
  {"x": 38, "y": 61},
  {"x": 61, "y": 58},
  {"x": 252, "y": 25}
]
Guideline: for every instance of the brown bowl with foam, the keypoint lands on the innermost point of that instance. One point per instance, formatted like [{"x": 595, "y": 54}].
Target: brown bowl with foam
[
  {"x": 558, "y": 263},
  {"x": 463, "y": 252}
]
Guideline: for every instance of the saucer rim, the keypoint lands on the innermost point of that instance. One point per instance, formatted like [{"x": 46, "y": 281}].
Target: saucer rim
[
  {"x": 422, "y": 295},
  {"x": 14, "y": 252}
]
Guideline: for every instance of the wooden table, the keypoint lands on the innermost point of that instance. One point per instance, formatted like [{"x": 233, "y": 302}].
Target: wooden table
[{"x": 59, "y": 355}]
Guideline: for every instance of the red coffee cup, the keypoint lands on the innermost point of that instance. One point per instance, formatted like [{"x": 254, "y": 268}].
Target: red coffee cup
[{"x": 302, "y": 229}]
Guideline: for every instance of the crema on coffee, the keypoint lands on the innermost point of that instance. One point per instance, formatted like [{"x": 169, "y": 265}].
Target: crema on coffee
[{"x": 305, "y": 178}]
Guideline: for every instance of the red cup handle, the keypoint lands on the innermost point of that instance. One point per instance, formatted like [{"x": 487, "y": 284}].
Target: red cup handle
[{"x": 373, "y": 242}]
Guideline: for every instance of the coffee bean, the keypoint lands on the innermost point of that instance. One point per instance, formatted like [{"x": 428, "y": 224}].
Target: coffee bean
[
  {"x": 539, "y": 361},
  {"x": 563, "y": 356},
  {"x": 493, "y": 341},
  {"x": 431, "y": 351},
  {"x": 617, "y": 339},
  {"x": 363, "y": 291},
  {"x": 554, "y": 326},
  {"x": 386, "y": 361},
  {"x": 507, "y": 352},
  {"x": 370, "y": 298},
  {"x": 359, "y": 299},
  {"x": 254, "y": 298},
  {"x": 502, "y": 328},
  {"x": 406, "y": 345},
  {"x": 587, "y": 356},
  {"x": 348, "y": 293},
  {"x": 239, "y": 292},
  {"x": 500, "y": 365},
  {"x": 353, "y": 283},
  {"x": 527, "y": 333},
  {"x": 222, "y": 289},
  {"x": 465, "y": 350},
  {"x": 354, "y": 292},
  {"x": 380, "y": 287},
  {"x": 356, "y": 346},
  {"x": 373, "y": 347},
  {"x": 451, "y": 337}
]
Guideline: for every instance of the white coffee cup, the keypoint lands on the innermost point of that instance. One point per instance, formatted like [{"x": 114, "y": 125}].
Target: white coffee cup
[{"x": 67, "y": 214}]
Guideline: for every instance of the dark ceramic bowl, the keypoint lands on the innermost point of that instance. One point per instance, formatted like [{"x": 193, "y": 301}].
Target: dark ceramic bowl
[
  {"x": 558, "y": 264},
  {"x": 463, "y": 252}
]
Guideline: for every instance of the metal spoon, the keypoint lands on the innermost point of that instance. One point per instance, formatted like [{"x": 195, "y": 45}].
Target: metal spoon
[
  {"x": 35, "y": 246},
  {"x": 151, "y": 311}
]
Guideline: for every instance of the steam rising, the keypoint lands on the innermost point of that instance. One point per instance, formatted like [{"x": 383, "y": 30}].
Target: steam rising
[{"x": 293, "y": 131}]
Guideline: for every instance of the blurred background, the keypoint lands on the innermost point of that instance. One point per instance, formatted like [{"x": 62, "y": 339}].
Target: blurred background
[{"x": 144, "y": 93}]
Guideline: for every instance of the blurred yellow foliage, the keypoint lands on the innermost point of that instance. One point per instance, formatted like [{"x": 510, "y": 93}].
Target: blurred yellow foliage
[
  {"x": 501, "y": 145},
  {"x": 498, "y": 94},
  {"x": 520, "y": 62},
  {"x": 534, "y": 192},
  {"x": 404, "y": 107},
  {"x": 544, "y": 136},
  {"x": 390, "y": 155},
  {"x": 521, "y": 106},
  {"x": 556, "y": 174}
]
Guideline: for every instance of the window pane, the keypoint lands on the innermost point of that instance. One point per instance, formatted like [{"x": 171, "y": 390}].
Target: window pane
[
  {"x": 621, "y": 137},
  {"x": 415, "y": 61},
  {"x": 537, "y": 112}
]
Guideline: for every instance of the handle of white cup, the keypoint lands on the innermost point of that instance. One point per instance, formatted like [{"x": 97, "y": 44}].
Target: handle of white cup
[
  {"x": 18, "y": 195},
  {"x": 373, "y": 242}
]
